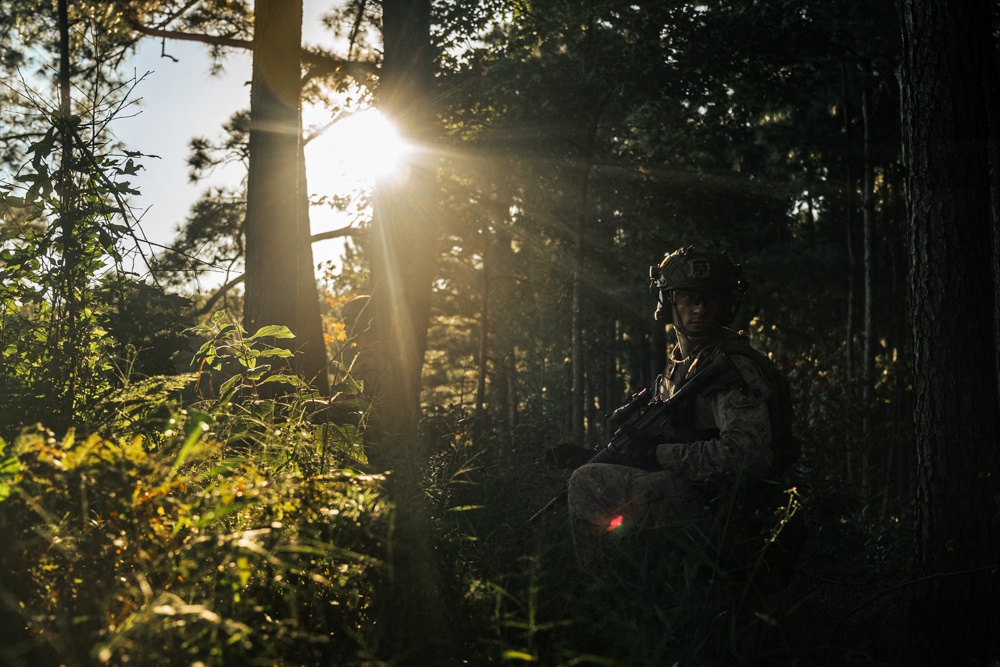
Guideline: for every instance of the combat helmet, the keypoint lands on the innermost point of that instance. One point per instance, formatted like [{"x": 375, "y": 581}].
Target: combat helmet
[{"x": 696, "y": 268}]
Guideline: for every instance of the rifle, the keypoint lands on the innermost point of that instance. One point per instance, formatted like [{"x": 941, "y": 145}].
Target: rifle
[{"x": 643, "y": 419}]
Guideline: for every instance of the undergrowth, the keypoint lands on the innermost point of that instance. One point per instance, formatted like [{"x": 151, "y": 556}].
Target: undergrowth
[
  {"x": 232, "y": 528},
  {"x": 230, "y": 532},
  {"x": 657, "y": 598},
  {"x": 201, "y": 521}
]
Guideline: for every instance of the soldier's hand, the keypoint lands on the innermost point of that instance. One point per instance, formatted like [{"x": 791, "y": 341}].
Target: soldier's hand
[{"x": 639, "y": 456}]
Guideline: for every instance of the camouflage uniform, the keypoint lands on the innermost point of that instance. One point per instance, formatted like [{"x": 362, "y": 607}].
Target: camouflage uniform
[{"x": 727, "y": 437}]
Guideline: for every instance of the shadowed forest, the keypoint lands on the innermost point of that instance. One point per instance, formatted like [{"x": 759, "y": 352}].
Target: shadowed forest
[{"x": 336, "y": 465}]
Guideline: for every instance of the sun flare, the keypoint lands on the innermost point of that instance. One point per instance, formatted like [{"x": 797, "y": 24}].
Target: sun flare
[
  {"x": 355, "y": 151},
  {"x": 342, "y": 165}
]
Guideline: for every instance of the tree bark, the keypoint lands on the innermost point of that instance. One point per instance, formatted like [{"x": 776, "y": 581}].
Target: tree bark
[
  {"x": 578, "y": 362},
  {"x": 849, "y": 222},
  {"x": 948, "y": 67},
  {"x": 280, "y": 283},
  {"x": 67, "y": 212},
  {"x": 868, "y": 349},
  {"x": 484, "y": 322},
  {"x": 402, "y": 253},
  {"x": 404, "y": 235},
  {"x": 311, "y": 361}
]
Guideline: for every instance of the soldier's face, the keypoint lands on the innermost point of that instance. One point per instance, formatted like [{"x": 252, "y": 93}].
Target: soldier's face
[{"x": 698, "y": 311}]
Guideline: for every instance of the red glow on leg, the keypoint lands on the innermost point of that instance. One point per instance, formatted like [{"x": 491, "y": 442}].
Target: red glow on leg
[{"x": 616, "y": 522}]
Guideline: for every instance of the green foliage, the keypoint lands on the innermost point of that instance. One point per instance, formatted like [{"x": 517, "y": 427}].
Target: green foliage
[
  {"x": 228, "y": 531},
  {"x": 187, "y": 550},
  {"x": 64, "y": 241},
  {"x": 229, "y": 342},
  {"x": 225, "y": 531},
  {"x": 253, "y": 401}
]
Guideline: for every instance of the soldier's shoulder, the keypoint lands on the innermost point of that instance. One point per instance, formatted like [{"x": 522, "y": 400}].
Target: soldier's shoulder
[
  {"x": 751, "y": 373},
  {"x": 751, "y": 364},
  {"x": 738, "y": 345}
]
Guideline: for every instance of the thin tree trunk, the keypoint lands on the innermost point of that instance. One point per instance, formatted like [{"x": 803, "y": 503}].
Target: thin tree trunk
[
  {"x": 611, "y": 392},
  {"x": 578, "y": 363},
  {"x": 504, "y": 336},
  {"x": 484, "y": 322},
  {"x": 991, "y": 87},
  {"x": 576, "y": 316},
  {"x": 311, "y": 360},
  {"x": 512, "y": 397},
  {"x": 67, "y": 213},
  {"x": 849, "y": 431},
  {"x": 868, "y": 351}
]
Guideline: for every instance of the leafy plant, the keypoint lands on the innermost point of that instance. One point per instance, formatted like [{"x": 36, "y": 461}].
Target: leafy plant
[
  {"x": 242, "y": 393},
  {"x": 63, "y": 245},
  {"x": 189, "y": 550},
  {"x": 229, "y": 345}
]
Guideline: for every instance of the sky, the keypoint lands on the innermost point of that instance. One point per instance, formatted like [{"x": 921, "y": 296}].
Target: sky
[
  {"x": 178, "y": 98},
  {"x": 176, "y": 101}
]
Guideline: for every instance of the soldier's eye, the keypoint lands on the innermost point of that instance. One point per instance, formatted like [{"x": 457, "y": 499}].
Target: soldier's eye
[{"x": 687, "y": 298}]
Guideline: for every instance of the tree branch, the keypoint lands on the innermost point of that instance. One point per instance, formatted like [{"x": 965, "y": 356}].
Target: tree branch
[
  {"x": 353, "y": 232},
  {"x": 214, "y": 40},
  {"x": 319, "y": 63},
  {"x": 222, "y": 291}
]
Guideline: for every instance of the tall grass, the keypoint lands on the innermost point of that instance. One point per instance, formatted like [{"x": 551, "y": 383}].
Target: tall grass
[{"x": 230, "y": 532}]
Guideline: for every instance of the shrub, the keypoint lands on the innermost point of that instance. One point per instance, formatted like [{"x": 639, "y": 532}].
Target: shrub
[
  {"x": 231, "y": 531},
  {"x": 124, "y": 554}
]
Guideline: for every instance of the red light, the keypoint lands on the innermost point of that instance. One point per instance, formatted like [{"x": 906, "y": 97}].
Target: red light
[{"x": 616, "y": 522}]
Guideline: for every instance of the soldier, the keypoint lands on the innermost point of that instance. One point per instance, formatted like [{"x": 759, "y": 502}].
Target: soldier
[{"x": 717, "y": 439}]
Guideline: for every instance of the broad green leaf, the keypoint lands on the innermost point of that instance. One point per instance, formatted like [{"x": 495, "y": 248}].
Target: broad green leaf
[
  {"x": 273, "y": 331},
  {"x": 284, "y": 379},
  {"x": 276, "y": 352},
  {"x": 258, "y": 372},
  {"x": 228, "y": 387}
]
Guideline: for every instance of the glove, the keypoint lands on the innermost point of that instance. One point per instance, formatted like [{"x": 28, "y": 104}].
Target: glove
[{"x": 640, "y": 456}]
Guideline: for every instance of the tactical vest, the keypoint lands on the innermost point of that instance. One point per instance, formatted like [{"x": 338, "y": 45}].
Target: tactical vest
[{"x": 786, "y": 448}]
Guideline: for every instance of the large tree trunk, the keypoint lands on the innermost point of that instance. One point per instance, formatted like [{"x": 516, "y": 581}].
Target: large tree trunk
[
  {"x": 402, "y": 254},
  {"x": 280, "y": 280},
  {"x": 404, "y": 235},
  {"x": 947, "y": 51}
]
